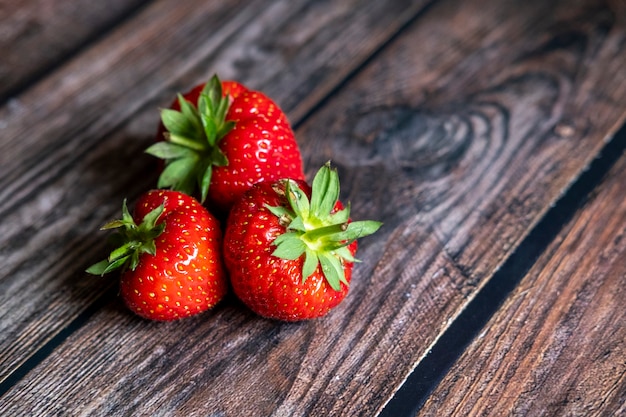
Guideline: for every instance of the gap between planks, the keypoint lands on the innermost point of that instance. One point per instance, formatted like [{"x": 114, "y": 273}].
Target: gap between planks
[{"x": 449, "y": 347}]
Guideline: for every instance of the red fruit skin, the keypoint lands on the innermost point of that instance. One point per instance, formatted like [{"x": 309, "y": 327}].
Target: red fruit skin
[
  {"x": 186, "y": 276},
  {"x": 261, "y": 146},
  {"x": 270, "y": 286}
]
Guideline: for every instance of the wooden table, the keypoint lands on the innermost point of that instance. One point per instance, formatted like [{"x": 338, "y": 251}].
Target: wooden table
[{"x": 485, "y": 134}]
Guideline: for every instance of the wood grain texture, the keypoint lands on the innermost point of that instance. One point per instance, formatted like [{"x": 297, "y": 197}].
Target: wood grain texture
[
  {"x": 68, "y": 148},
  {"x": 71, "y": 146},
  {"x": 558, "y": 345},
  {"x": 37, "y": 34},
  {"x": 463, "y": 152},
  {"x": 458, "y": 137}
]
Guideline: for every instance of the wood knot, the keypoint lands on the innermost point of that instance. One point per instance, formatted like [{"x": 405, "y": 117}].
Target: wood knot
[{"x": 564, "y": 130}]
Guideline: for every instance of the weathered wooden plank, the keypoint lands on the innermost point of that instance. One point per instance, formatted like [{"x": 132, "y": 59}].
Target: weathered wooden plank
[
  {"x": 460, "y": 137},
  {"x": 462, "y": 152},
  {"x": 557, "y": 346},
  {"x": 37, "y": 34},
  {"x": 72, "y": 145},
  {"x": 58, "y": 168}
]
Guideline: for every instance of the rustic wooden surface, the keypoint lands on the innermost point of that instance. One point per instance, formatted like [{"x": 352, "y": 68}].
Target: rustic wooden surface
[
  {"x": 36, "y": 35},
  {"x": 457, "y": 132},
  {"x": 49, "y": 156},
  {"x": 558, "y": 344}
]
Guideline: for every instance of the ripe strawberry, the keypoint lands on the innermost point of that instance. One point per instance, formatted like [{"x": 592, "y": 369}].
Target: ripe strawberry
[
  {"x": 170, "y": 252},
  {"x": 220, "y": 139},
  {"x": 290, "y": 249}
]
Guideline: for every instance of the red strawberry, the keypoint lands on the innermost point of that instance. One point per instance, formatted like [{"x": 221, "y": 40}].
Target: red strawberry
[
  {"x": 220, "y": 139},
  {"x": 289, "y": 248},
  {"x": 170, "y": 251}
]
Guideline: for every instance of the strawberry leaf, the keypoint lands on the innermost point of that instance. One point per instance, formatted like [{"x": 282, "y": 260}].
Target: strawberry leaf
[
  {"x": 222, "y": 108},
  {"x": 113, "y": 225},
  {"x": 98, "y": 268},
  {"x": 311, "y": 262},
  {"x": 207, "y": 116},
  {"x": 297, "y": 224},
  {"x": 179, "y": 175},
  {"x": 178, "y": 124},
  {"x": 123, "y": 250},
  {"x": 342, "y": 216},
  {"x": 285, "y": 236},
  {"x": 325, "y": 191},
  {"x": 320, "y": 183},
  {"x": 205, "y": 181},
  {"x": 213, "y": 89},
  {"x": 333, "y": 270},
  {"x": 115, "y": 264},
  {"x": 134, "y": 261},
  {"x": 289, "y": 246},
  {"x": 218, "y": 158},
  {"x": 279, "y": 211},
  {"x": 225, "y": 128},
  {"x": 344, "y": 253},
  {"x": 169, "y": 150},
  {"x": 297, "y": 199},
  {"x": 148, "y": 247},
  {"x": 354, "y": 231},
  {"x": 190, "y": 112},
  {"x": 150, "y": 219},
  {"x": 127, "y": 218}
]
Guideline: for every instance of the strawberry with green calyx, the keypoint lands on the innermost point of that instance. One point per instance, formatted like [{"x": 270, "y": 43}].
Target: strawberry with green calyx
[
  {"x": 290, "y": 248},
  {"x": 221, "y": 138},
  {"x": 169, "y": 253}
]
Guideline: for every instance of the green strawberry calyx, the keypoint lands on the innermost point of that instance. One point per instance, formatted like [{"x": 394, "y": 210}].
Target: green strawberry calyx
[
  {"x": 314, "y": 230},
  {"x": 131, "y": 241},
  {"x": 190, "y": 149}
]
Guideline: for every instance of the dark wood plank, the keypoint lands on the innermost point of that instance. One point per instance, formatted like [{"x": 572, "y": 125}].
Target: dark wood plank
[
  {"x": 557, "y": 346},
  {"x": 458, "y": 137},
  {"x": 56, "y": 182},
  {"x": 37, "y": 34},
  {"x": 462, "y": 150},
  {"x": 72, "y": 145}
]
